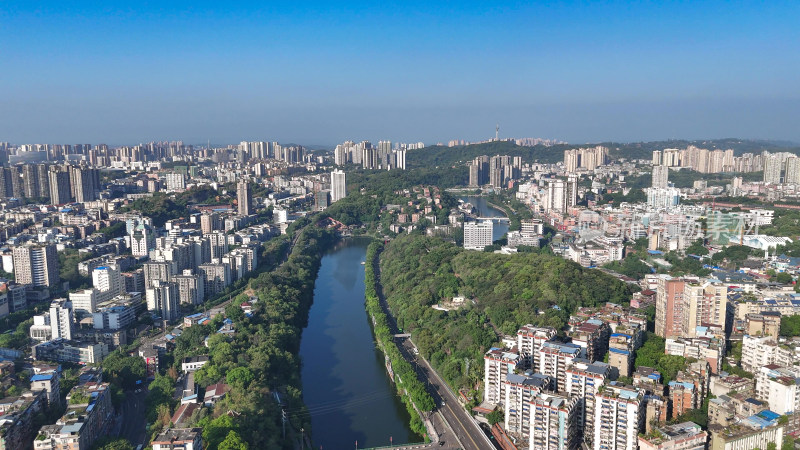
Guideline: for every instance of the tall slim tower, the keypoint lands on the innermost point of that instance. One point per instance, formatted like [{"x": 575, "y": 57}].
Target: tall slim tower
[
  {"x": 243, "y": 196},
  {"x": 338, "y": 186},
  {"x": 497, "y": 132}
]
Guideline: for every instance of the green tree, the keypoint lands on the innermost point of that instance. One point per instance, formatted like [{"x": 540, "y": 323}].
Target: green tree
[
  {"x": 240, "y": 377},
  {"x": 217, "y": 430},
  {"x": 697, "y": 248},
  {"x": 124, "y": 370},
  {"x": 790, "y": 326},
  {"x": 233, "y": 442},
  {"x": 113, "y": 444},
  {"x": 783, "y": 277},
  {"x": 495, "y": 416},
  {"x": 234, "y": 312}
]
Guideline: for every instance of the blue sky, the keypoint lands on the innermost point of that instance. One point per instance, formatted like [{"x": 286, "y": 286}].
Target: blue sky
[{"x": 321, "y": 72}]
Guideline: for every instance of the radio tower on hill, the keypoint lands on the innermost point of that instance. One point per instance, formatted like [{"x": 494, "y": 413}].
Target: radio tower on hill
[{"x": 497, "y": 132}]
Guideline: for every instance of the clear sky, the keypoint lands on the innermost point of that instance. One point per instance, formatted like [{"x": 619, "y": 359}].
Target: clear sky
[{"x": 322, "y": 72}]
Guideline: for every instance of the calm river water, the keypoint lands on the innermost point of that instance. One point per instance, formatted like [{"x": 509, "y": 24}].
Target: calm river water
[
  {"x": 485, "y": 210},
  {"x": 345, "y": 384}
]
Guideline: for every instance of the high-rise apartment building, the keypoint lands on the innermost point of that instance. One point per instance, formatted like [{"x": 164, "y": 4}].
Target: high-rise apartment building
[
  {"x": 32, "y": 183},
  {"x": 176, "y": 182},
  {"x": 474, "y": 174},
  {"x": 400, "y": 158},
  {"x": 530, "y": 340},
  {"x": 792, "y": 170},
  {"x": 61, "y": 319},
  {"x": 555, "y": 357},
  {"x": 703, "y": 304},
  {"x": 593, "y": 336},
  {"x": 660, "y": 177},
  {"x": 477, "y": 235},
  {"x": 518, "y": 394},
  {"x": 218, "y": 242},
  {"x": 554, "y": 422},
  {"x": 107, "y": 279},
  {"x": 496, "y": 171},
  {"x": 143, "y": 240},
  {"x": 216, "y": 277},
  {"x": 85, "y": 183},
  {"x": 669, "y": 306},
  {"x": 618, "y": 417},
  {"x": 210, "y": 221},
  {"x": 338, "y": 186},
  {"x": 162, "y": 298},
  {"x": 585, "y": 158},
  {"x": 656, "y": 157},
  {"x": 181, "y": 255},
  {"x": 773, "y": 164},
  {"x": 36, "y": 265},
  {"x": 156, "y": 271},
  {"x": 190, "y": 288},
  {"x": 497, "y": 363},
  {"x": 556, "y": 196},
  {"x": 584, "y": 380},
  {"x": 561, "y": 195},
  {"x": 244, "y": 198},
  {"x": 59, "y": 186}
]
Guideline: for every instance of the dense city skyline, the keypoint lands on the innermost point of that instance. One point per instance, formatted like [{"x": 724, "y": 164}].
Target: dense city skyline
[{"x": 320, "y": 74}]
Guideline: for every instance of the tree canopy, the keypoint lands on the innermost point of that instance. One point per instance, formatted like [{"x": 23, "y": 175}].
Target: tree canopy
[{"x": 508, "y": 291}]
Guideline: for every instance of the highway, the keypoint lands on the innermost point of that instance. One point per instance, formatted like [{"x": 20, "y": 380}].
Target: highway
[{"x": 460, "y": 426}]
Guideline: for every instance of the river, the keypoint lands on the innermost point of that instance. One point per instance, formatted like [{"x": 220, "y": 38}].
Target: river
[
  {"x": 484, "y": 209},
  {"x": 345, "y": 384}
]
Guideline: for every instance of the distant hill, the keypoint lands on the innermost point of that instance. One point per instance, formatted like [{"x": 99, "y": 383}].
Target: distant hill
[{"x": 439, "y": 155}]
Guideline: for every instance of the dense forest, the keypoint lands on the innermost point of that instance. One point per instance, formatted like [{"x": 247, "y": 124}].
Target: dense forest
[
  {"x": 508, "y": 291},
  {"x": 384, "y": 183}
]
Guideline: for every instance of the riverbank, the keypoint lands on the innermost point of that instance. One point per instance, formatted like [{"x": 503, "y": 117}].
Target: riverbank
[{"x": 417, "y": 400}]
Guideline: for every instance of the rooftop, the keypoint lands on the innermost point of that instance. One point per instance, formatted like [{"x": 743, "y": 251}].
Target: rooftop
[{"x": 177, "y": 435}]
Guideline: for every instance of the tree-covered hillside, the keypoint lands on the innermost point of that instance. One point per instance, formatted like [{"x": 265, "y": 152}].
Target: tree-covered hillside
[
  {"x": 509, "y": 291},
  {"x": 443, "y": 156}
]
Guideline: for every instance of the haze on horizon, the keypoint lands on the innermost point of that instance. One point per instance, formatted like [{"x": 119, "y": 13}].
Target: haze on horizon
[{"x": 320, "y": 73}]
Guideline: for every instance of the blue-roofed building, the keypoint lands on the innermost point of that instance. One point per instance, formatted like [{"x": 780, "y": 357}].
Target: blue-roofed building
[{"x": 48, "y": 382}]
